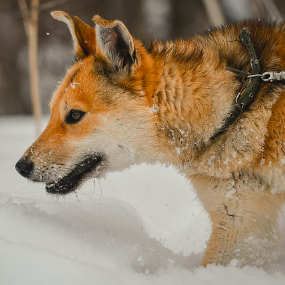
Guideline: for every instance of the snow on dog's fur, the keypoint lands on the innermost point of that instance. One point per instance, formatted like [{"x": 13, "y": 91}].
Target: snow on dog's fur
[{"x": 122, "y": 104}]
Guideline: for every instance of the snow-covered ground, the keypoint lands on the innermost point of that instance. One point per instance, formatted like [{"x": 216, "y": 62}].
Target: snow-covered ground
[{"x": 141, "y": 226}]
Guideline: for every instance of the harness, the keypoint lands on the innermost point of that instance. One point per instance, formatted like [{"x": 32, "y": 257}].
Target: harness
[{"x": 251, "y": 85}]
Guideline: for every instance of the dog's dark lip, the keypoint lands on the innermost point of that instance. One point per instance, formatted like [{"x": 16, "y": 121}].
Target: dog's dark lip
[{"x": 71, "y": 181}]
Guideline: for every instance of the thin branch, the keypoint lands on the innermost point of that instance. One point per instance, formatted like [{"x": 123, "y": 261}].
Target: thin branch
[
  {"x": 25, "y": 14},
  {"x": 42, "y": 7},
  {"x": 51, "y": 4}
]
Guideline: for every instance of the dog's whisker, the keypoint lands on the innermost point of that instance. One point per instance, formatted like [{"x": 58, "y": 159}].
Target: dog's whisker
[
  {"x": 76, "y": 196},
  {"x": 101, "y": 192},
  {"x": 94, "y": 187},
  {"x": 127, "y": 151},
  {"x": 121, "y": 147}
]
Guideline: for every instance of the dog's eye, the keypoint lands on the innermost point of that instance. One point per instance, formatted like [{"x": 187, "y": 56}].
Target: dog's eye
[{"x": 74, "y": 116}]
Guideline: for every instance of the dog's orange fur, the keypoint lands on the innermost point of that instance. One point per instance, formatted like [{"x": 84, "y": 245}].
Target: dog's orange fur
[{"x": 164, "y": 103}]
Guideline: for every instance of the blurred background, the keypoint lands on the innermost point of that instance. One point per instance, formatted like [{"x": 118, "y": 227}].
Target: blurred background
[{"x": 146, "y": 20}]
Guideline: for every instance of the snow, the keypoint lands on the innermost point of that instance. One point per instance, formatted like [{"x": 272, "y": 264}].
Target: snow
[
  {"x": 73, "y": 85},
  {"x": 141, "y": 226},
  {"x": 153, "y": 109}
]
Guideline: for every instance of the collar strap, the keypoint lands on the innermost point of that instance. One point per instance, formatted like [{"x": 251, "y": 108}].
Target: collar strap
[{"x": 250, "y": 87}]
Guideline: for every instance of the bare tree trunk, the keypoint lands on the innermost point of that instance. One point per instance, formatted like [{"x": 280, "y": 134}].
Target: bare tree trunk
[
  {"x": 158, "y": 19},
  {"x": 236, "y": 10},
  {"x": 272, "y": 10},
  {"x": 30, "y": 20},
  {"x": 214, "y": 12}
]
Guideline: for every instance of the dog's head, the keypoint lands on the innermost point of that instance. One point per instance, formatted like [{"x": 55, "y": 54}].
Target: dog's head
[{"x": 100, "y": 114}]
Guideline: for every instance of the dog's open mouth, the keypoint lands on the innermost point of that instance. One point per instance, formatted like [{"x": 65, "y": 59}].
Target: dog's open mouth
[{"x": 71, "y": 181}]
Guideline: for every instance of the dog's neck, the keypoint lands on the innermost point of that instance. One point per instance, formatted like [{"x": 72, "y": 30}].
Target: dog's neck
[{"x": 193, "y": 96}]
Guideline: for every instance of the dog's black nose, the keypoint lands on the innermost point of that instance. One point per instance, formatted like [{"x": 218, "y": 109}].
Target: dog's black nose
[{"x": 24, "y": 167}]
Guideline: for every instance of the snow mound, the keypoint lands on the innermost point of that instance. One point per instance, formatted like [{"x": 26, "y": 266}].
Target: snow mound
[{"x": 142, "y": 226}]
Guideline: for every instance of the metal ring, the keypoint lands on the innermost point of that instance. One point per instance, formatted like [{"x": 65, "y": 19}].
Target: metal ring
[
  {"x": 236, "y": 100},
  {"x": 254, "y": 75}
]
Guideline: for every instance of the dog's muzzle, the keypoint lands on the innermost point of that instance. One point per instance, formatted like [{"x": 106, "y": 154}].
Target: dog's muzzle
[
  {"x": 81, "y": 171},
  {"x": 74, "y": 178}
]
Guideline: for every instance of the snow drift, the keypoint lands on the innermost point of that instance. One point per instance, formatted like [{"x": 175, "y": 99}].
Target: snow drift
[{"x": 141, "y": 226}]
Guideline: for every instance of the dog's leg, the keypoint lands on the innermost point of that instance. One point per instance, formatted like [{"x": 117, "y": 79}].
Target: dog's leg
[{"x": 244, "y": 220}]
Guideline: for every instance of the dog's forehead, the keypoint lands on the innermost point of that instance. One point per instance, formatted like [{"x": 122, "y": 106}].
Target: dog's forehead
[{"x": 79, "y": 86}]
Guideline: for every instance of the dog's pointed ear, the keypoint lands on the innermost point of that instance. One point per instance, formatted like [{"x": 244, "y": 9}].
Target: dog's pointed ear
[
  {"x": 115, "y": 44},
  {"x": 83, "y": 35}
]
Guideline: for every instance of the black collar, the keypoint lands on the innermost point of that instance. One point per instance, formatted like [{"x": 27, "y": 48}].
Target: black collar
[{"x": 250, "y": 87}]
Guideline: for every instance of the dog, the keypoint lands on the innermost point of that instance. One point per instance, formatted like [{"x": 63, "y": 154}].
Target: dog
[{"x": 212, "y": 105}]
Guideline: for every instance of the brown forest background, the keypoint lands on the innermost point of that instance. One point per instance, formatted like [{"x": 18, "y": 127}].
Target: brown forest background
[{"x": 146, "y": 19}]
